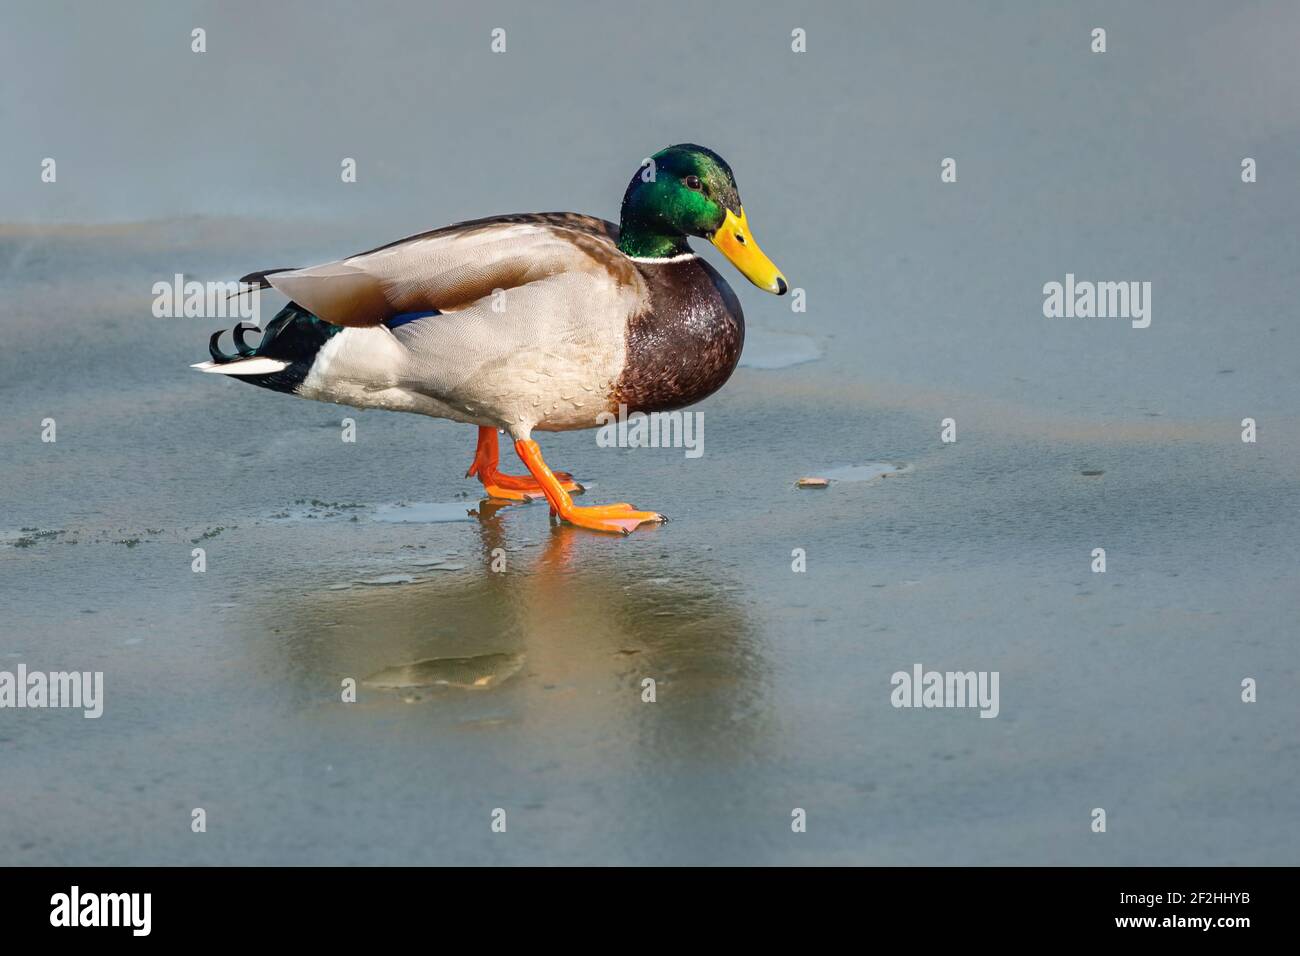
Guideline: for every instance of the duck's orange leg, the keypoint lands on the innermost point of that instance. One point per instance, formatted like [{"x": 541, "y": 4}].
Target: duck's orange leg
[
  {"x": 621, "y": 518},
  {"x": 509, "y": 487}
]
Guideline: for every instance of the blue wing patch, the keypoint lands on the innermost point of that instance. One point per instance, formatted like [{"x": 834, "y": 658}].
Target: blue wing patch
[{"x": 405, "y": 317}]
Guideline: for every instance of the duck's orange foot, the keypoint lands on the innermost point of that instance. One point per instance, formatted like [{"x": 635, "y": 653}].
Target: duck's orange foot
[
  {"x": 621, "y": 518},
  {"x": 525, "y": 488},
  {"x": 509, "y": 487}
]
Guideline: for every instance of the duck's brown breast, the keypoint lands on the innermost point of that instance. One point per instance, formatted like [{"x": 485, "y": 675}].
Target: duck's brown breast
[{"x": 685, "y": 344}]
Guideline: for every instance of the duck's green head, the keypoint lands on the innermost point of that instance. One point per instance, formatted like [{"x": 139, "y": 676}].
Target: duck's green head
[{"x": 689, "y": 190}]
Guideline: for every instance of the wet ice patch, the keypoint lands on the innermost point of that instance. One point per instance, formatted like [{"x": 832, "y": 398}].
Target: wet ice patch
[
  {"x": 768, "y": 350},
  {"x": 874, "y": 469},
  {"x": 470, "y": 673},
  {"x": 423, "y": 512},
  {"x": 416, "y": 512},
  {"x": 436, "y": 564},
  {"x": 867, "y": 472},
  {"x": 385, "y": 580},
  {"x": 28, "y": 537},
  {"x": 312, "y": 509}
]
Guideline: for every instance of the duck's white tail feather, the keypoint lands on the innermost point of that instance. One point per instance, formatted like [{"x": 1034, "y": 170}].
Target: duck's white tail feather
[{"x": 248, "y": 366}]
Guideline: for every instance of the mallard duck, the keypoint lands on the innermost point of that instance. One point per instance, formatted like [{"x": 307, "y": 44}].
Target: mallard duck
[{"x": 525, "y": 323}]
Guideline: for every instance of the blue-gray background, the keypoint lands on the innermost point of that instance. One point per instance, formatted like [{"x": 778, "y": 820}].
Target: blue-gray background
[{"x": 1119, "y": 691}]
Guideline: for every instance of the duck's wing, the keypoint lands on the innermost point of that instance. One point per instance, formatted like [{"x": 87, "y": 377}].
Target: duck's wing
[{"x": 450, "y": 269}]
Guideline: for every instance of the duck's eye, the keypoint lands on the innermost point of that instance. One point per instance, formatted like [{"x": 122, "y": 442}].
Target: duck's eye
[{"x": 693, "y": 182}]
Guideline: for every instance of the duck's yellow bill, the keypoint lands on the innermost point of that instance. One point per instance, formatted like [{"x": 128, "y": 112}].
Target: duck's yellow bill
[{"x": 737, "y": 243}]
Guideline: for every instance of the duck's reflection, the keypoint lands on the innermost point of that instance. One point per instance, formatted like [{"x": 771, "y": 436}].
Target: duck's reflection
[{"x": 569, "y": 630}]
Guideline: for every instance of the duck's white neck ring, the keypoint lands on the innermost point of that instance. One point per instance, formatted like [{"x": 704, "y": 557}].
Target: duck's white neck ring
[{"x": 657, "y": 260}]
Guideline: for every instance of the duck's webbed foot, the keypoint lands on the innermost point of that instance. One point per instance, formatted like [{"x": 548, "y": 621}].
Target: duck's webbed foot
[
  {"x": 509, "y": 487},
  {"x": 619, "y": 518}
]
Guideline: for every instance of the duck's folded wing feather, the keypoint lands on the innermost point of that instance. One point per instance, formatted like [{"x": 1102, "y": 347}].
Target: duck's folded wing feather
[{"x": 450, "y": 269}]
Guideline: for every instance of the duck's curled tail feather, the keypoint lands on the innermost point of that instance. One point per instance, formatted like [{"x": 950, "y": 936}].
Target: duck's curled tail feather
[{"x": 284, "y": 356}]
